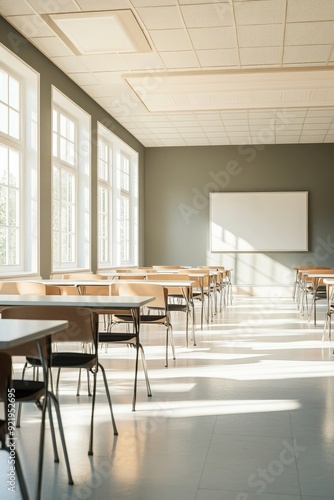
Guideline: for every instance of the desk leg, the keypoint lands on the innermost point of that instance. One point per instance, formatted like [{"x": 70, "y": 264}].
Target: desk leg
[{"x": 136, "y": 318}]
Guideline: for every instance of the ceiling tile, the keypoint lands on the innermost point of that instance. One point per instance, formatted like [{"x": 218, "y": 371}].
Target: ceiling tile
[
  {"x": 307, "y": 54},
  {"x": 318, "y": 127},
  {"x": 213, "y": 38},
  {"x": 193, "y": 2},
  {"x": 103, "y": 62},
  {"x": 109, "y": 77},
  {"x": 145, "y": 61},
  {"x": 234, "y": 115},
  {"x": 10, "y": 8},
  {"x": 216, "y": 141},
  {"x": 266, "y": 35},
  {"x": 70, "y": 64},
  {"x": 260, "y": 12},
  {"x": 175, "y": 60},
  {"x": 260, "y": 56},
  {"x": 293, "y": 139},
  {"x": 218, "y": 58},
  {"x": 195, "y": 142},
  {"x": 160, "y": 17},
  {"x": 86, "y": 5},
  {"x": 320, "y": 112},
  {"x": 309, "y": 10},
  {"x": 170, "y": 40},
  {"x": 52, "y": 46},
  {"x": 207, "y": 15},
  {"x": 83, "y": 78},
  {"x": 152, "y": 3},
  {"x": 316, "y": 33},
  {"x": 311, "y": 138},
  {"x": 31, "y": 26},
  {"x": 52, "y": 7},
  {"x": 319, "y": 119}
]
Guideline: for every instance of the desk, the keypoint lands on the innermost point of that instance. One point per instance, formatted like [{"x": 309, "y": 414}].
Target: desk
[
  {"x": 16, "y": 332},
  {"x": 315, "y": 277},
  {"x": 185, "y": 285},
  {"x": 91, "y": 301},
  {"x": 329, "y": 282}
]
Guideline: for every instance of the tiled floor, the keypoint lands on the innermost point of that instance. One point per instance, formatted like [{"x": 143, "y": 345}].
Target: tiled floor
[{"x": 247, "y": 414}]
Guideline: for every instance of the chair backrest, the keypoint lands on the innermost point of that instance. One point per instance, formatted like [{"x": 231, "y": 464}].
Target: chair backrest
[
  {"x": 205, "y": 281},
  {"x": 95, "y": 290},
  {"x": 5, "y": 375},
  {"x": 83, "y": 276},
  {"x": 82, "y": 327},
  {"x": 5, "y": 385},
  {"x": 22, "y": 288},
  {"x": 175, "y": 291},
  {"x": 167, "y": 267},
  {"x": 144, "y": 289}
]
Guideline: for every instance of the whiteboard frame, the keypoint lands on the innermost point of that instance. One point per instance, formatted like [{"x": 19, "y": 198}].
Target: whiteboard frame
[{"x": 288, "y": 222}]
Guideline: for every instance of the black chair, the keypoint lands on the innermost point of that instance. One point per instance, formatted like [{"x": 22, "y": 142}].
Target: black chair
[
  {"x": 82, "y": 330},
  {"x": 8, "y": 397}
]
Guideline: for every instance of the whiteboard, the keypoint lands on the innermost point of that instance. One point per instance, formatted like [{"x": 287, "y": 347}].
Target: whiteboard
[{"x": 259, "y": 221}]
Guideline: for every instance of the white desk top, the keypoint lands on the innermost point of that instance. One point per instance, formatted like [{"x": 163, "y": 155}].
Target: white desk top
[
  {"x": 14, "y": 332},
  {"x": 320, "y": 274},
  {"x": 92, "y": 301},
  {"x": 72, "y": 282}
]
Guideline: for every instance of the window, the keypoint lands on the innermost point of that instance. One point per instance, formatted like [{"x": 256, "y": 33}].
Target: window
[
  {"x": 117, "y": 201},
  {"x": 104, "y": 201},
  {"x": 18, "y": 167},
  {"x": 70, "y": 150}
]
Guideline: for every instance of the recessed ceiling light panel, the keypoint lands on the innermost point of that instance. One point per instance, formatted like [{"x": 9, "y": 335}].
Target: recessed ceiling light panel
[{"x": 100, "y": 32}]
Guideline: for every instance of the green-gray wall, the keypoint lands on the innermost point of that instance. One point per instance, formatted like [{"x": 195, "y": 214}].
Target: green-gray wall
[
  {"x": 51, "y": 75},
  {"x": 177, "y": 186}
]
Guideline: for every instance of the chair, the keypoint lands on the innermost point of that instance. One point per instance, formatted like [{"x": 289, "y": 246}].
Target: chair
[
  {"x": 299, "y": 281},
  {"x": 316, "y": 288},
  {"x": 82, "y": 329},
  {"x": 159, "y": 306},
  {"x": 202, "y": 290},
  {"x": 179, "y": 298},
  {"x": 6, "y": 425},
  {"x": 27, "y": 391},
  {"x": 329, "y": 311}
]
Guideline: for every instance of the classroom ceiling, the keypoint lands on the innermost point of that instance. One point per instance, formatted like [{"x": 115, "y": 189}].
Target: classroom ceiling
[{"x": 195, "y": 72}]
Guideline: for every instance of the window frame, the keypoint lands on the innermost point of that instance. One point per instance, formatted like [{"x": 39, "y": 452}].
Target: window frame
[
  {"x": 82, "y": 169},
  {"x": 120, "y": 149},
  {"x": 27, "y": 147}
]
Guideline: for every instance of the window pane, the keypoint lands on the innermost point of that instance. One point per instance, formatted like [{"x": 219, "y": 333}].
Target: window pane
[
  {"x": 3, "y": 205},
  {"x": 63, "y": 155},
  {"x": 4, "y": 165},
  {"x": 13, "y": 207},
  {"x": 14, "y": 93},
  {"x": 13, "y": 247},
  {"x": 55, "y": 151},
  {"x": 3, "y": 246},
  {"x": 55, "y": 120},
  {"x": 63, "y": 123},
  {"x": 3, "y": 87},
  {"x": 3, "y": 118},
  {"x": 14, "y": 124},
  {"x": 14, "y": 168}
]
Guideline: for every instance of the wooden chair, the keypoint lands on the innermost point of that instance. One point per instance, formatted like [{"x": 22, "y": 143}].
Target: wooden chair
[
  {"x": 158, "y": 311},
  {"x": 179, "y": 299},
  {"x": 329, "y": 312}
]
